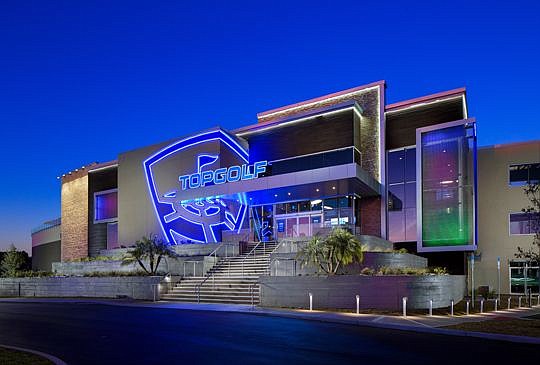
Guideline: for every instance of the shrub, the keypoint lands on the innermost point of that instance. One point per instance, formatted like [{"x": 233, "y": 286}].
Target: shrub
[
  {"x": 101, "y": 274},
  {"x": 367, "y": 271},
  {"x": 32, "y": 274}
]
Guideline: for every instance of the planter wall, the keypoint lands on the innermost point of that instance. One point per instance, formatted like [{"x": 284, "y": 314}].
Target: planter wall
[
  {"x": 378, "y": 292},
  {"x": 284, "y": 264},
  {"x": 136, "y": 287}
]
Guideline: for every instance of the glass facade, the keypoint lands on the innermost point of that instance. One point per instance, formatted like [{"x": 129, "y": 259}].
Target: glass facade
[
  {"x": 402, "y": 195},
  {"x": 448, "y": 158},
  {"x": 305, "y": 218}
]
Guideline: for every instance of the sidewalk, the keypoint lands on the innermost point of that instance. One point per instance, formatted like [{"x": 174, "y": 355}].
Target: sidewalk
[{"x": 418, "y": 323}]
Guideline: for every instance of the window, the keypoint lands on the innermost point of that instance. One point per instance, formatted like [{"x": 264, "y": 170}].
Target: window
[
  {"x": 402, "y": 195},
  {"x": 106, "y": 206},
  {"x": 524, "y": 223},
  {"x": 523, "y": 174}
]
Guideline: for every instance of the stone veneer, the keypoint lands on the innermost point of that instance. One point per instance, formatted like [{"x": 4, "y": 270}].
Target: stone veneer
[{"x": 74, "y": 217}]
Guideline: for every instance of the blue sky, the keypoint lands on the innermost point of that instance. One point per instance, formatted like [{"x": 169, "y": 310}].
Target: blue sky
[{"x": 83, "y": 80}]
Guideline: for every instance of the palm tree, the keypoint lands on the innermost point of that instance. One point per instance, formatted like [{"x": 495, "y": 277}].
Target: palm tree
[
  {"x": 340, "y": 248},
  {"x": 151, "y": 248}
]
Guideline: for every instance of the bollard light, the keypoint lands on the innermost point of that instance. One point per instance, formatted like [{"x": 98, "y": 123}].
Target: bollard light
[
  {"x": 468, "y": 303},
  {"x": 519, "y": 302},
  {"x": 538, "y": 300},
  {"x": 452, "y": 307},
  {"x": 496, "y": 301},
  {"x": 431, "y": 307},
  {"x": 357, "y": 304},
  {"x": 482, "y": 306},
  {"x": 404, "y": 306},
  {"x": 509, "y": 302},
  {"x": 310, "y": 301}
]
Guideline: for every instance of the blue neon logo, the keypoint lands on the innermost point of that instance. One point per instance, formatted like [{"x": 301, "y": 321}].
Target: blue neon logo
[
  {"x": 200, "y": 220},
  {"x": 221, "y": 175}
]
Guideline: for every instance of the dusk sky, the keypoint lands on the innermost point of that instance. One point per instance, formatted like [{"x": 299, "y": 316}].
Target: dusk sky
[{"x": 82, "y": 81}]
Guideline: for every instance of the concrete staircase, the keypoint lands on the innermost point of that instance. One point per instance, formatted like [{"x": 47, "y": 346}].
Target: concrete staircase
[{"x": 231, "y": 280}]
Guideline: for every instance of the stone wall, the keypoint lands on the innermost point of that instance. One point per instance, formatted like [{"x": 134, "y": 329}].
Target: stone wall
[
  {"x": 136, "y": 287},
  {"x": 376, "y": 292},
  {"x": 74, "y": 208}
]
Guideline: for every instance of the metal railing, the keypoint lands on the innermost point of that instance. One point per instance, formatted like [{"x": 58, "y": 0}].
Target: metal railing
[
  {"x": 195, "y": 264},
  {"x": 210, "y": 273},
  {"x": 252, "y": 252},
  {"x": 278, "y": 260}
]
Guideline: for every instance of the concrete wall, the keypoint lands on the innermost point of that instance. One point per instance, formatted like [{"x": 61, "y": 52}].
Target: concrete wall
[
  {"x": 496, "y": 200},
  {"x": 192, "y": 266},
  {"x": 285, "y": 264},
  {"x": 378, "y": 292},
  {"x": 136, "y": 287},
  {"x": 194, "y": 261},
  {"x": 44, "y": 255}
]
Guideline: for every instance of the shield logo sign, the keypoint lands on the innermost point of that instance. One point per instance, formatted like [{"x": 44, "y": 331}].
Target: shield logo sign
[{"x": 195, "y": 163}]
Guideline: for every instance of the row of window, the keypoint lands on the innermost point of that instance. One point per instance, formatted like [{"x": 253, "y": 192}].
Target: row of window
[{"x": 314, "y": 205}]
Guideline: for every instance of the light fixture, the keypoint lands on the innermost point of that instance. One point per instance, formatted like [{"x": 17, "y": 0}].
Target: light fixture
[
  {"x": 289, "y": 194},
  {"x": 333, "y": 188},
  {"x": 275, "y": 195},
  {"x": 317, "y": 190}
]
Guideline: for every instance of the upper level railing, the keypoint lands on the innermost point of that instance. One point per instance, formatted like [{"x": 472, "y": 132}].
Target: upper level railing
[{"x": 47, "y": 225}]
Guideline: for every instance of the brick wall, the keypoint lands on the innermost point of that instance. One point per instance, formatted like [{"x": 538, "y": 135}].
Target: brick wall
[
  {"x": 370, "y": 216},
  {"x": 75, "y": 217}
]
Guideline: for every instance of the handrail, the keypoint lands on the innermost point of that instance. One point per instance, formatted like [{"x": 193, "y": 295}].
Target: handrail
[
  {"x": 210, "y": 273},
  {"x": 250, "y": 252},
  {"x": 268, "y": 268}
]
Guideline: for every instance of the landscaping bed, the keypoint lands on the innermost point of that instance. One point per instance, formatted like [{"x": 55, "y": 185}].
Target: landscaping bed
[
  {"x": 503, "y": 325},
  {"x": 15, "y": 357}
]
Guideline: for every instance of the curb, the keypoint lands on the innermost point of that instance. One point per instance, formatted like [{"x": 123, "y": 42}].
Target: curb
[{"x": 49, "y": 357}]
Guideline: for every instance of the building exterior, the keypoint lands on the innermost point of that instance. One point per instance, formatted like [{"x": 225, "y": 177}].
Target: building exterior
[
  {"x": 46, "y": 245},
  {"x": 503, "y": 172},
  {"x": 406, "y": 172}
]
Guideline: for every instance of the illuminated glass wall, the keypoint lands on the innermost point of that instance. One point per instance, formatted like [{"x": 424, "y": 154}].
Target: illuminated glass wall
[{"x": 447, "y": 159}]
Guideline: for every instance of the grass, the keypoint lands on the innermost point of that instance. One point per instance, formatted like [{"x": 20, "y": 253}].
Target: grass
[
  {"x": 516, "y": 327},
  {"x": 14, "y": 357}
]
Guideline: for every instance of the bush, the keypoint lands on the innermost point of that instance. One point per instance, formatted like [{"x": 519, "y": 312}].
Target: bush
[
  {"x": 32, "y": 274},
  {"x": 401, "y": 250},
  {"x": 95, "y": 258},
  {"x": 387, "y": 270},
  {"x": 367, "y": 271},
  {"x": 102, "y": 274}
]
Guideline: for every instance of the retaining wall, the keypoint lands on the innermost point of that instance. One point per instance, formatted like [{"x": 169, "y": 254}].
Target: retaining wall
[
  {"x": 285, "y": 264},
  {"x": 136, "y": 287},
  {"x": 377, "y": 292}
]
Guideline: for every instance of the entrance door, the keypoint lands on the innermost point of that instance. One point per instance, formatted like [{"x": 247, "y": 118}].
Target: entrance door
[{"x": 305, "y": 225}]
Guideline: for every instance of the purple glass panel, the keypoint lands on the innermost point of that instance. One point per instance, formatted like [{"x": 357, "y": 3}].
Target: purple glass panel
[{"x": 106, "y": 206}]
